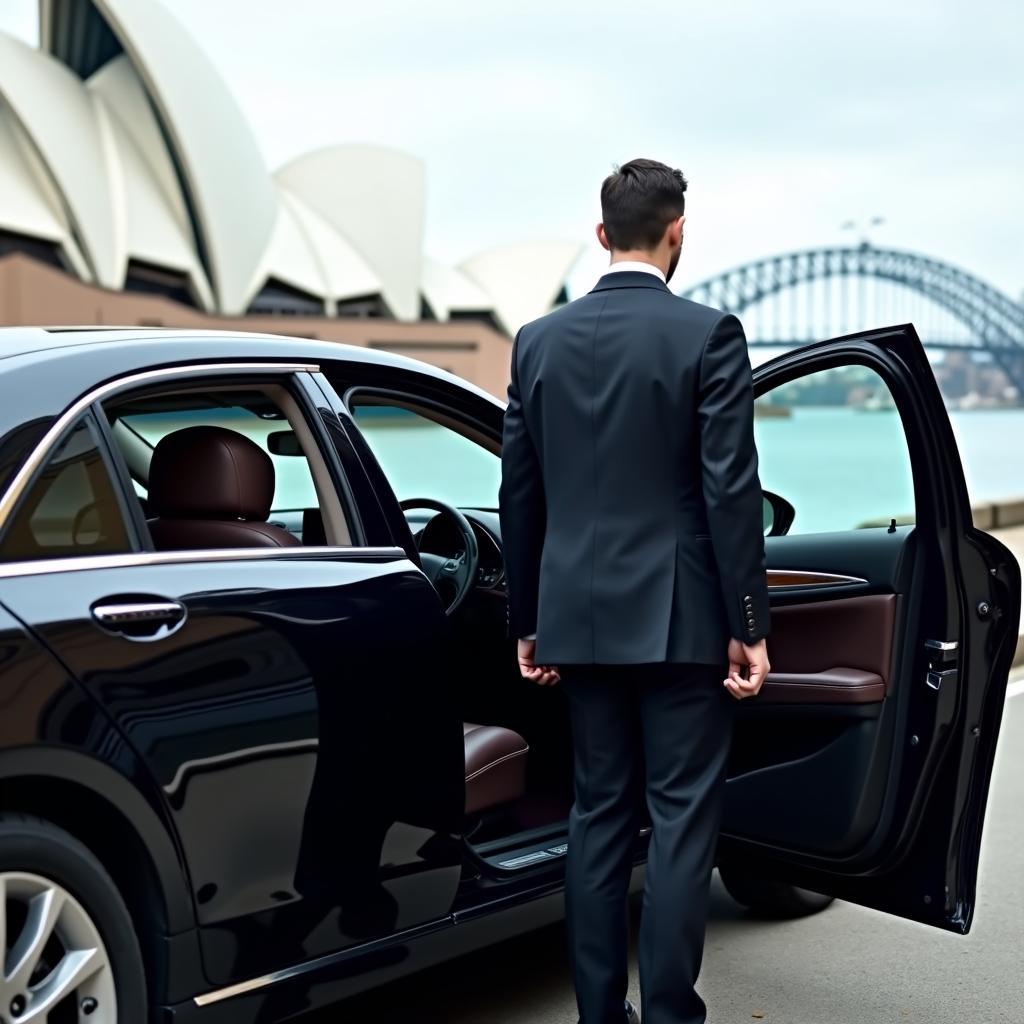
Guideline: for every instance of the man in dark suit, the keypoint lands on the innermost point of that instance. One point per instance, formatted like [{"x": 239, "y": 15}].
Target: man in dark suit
[{"x": 631, "y": 517}]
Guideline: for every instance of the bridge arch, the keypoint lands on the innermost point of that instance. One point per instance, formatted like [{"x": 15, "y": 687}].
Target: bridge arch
[{"x": 995, "y": 320}]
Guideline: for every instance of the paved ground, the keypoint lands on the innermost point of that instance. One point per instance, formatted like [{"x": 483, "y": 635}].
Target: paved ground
[{"x": 845, "y": 966}]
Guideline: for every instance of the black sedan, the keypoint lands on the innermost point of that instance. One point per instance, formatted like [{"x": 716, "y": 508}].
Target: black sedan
[{"x": 263, "y": 742}]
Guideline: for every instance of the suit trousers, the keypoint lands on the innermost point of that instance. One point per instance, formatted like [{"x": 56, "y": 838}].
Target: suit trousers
[{"x": 660, "y": 733}]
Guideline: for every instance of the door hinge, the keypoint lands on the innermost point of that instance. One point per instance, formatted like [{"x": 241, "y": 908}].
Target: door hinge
[{"x": 942, "y": 657}]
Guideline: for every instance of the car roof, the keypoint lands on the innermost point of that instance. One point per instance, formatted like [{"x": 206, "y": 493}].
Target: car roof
[{"x": 44, "y": 341}]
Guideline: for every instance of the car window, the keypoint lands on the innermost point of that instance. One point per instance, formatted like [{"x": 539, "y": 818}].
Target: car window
[
  {"x": 71, "y": 508},
  {"x": 293, "y": 489},
  {"x": 831, "y": 443},
  {"x": 305, "y": 503},
  {"x": 425, "y": 459}
]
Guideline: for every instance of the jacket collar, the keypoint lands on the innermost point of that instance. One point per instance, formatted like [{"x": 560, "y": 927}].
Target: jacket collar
[{"x": 630, "y": 279}]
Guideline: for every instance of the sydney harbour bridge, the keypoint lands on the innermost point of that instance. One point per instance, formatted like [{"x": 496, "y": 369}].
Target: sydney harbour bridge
[{"x": 798, "y": 297}]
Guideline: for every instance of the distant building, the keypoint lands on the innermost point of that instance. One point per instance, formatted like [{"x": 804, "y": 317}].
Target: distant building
[{"x": 132, "y": 190}]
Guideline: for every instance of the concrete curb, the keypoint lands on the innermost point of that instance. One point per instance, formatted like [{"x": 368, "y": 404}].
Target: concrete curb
[{"x": 999, "y": 515}]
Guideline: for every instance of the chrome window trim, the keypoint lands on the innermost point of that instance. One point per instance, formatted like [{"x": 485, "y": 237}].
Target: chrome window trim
[
  {"x": 811, "y": 579},
  {"x": 42, "y": 450},
  {"x": 81, "y": 563}
]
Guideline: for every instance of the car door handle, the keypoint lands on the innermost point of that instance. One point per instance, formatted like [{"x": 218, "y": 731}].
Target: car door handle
[{"x": 140, "y": 619}]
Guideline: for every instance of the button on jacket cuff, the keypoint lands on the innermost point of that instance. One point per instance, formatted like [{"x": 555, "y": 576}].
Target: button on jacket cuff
[{"x": 755, "y": 614}]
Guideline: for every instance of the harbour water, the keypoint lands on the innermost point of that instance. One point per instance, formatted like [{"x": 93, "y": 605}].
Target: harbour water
[
  {"x": 842, "y": 467},
  {"x": 839, "y": 466}
]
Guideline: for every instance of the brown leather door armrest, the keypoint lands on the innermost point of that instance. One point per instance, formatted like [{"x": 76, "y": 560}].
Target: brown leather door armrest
[{"x": 834, "y": 686}]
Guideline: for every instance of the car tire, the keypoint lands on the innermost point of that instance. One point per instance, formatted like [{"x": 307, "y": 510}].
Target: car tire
[
  {"x": 42, "y": 863},
  {"x": 768, "y": 898}
]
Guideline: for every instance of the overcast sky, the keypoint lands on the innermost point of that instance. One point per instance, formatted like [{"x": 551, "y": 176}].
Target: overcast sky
[{"x": 788, "y": 117}]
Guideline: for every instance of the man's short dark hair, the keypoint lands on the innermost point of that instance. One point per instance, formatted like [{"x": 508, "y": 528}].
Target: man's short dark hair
[{"x": 638, "y": 201}]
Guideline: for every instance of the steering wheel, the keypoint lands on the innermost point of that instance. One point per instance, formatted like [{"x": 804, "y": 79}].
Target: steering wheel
[{"x": 453, "y": 578}]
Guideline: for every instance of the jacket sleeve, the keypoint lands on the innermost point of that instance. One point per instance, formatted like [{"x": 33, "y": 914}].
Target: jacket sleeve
[
  {"x": 522, "y": 512},
  {"x": 732, "y": 489}
]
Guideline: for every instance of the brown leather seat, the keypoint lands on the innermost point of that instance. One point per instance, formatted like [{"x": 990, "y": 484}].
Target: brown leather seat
[
  {"x": 212, "y": 488},
  {"x": 495, "y": 766}
]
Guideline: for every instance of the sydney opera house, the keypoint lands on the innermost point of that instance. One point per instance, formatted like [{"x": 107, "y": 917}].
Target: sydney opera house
[{"x": 133, "y": 192}]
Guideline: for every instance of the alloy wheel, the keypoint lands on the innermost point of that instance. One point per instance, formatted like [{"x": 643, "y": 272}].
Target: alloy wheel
[{"x": 55, "y": 965}]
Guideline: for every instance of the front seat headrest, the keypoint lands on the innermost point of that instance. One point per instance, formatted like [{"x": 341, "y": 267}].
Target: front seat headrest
[{"x": 210, "y": 472}]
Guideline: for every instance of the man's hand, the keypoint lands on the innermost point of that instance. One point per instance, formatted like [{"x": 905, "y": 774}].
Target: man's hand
[
  {"x": 543, "y": 675},
  {"x": 753, "y": 657}
]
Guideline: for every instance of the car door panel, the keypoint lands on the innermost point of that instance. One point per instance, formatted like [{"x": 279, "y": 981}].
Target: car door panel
[
  {"x": 804, "y": 747},
  {"x": 861, "y": 771},
  {"x": 286, "y": 705},
  {"x": 293, "y": 733},
  {"x": 852, "y": 635},
  {"x": 867, "y": 560}
]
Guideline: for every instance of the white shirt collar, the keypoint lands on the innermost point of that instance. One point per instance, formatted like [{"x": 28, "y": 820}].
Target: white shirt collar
[{"x": 635, "y": 265}]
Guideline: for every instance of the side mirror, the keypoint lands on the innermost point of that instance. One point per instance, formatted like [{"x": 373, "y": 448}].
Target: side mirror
[
  {"x": 283, "y": 442},
  {"x": 777, "y": 514}
]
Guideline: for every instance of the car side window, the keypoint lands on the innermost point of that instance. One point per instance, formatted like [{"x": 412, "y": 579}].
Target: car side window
[
  {"x": 832, "y": 444},
  {"x": 71, "y": 508},
  {"x": 423, "y": 457},
  {"x": 206, "y": 432},
  {"x": 293, "y": 482}
]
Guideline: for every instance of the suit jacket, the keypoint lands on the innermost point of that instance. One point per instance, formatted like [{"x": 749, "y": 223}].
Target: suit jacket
[{"x": 631, "y": 509}]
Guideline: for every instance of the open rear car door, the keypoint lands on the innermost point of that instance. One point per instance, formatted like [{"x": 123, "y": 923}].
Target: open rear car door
[{"x": 862, "y": 770}]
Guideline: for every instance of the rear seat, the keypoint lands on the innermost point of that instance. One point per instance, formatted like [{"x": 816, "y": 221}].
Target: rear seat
[{"x": 495, "y": 766}]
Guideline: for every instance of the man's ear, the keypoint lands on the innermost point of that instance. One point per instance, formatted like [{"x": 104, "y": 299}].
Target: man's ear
[
  {"x": 675, "y": 232},
  {"x": 603, "y": 238}
]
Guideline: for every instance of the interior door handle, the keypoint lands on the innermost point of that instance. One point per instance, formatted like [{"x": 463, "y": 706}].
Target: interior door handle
[{"x": 140, "y": 618}]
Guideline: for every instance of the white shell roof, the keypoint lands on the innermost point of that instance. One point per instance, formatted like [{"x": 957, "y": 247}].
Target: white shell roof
[
  {"x": 449, "y": 291},
  {"x": 151, "y": 159},
  {"x": 345, "y": 273},
  {"x": 144, "y": 220},
  {"x": 224, "y": 171},
  {"x": 523, "y": 279},
  {"x": 374, "y": 196},
  {"x": 125, "y": 95},
  {"x": 60, "y": 118},
  {"x": 290, "y": 258},
  {"x": 27, "y": 206}
]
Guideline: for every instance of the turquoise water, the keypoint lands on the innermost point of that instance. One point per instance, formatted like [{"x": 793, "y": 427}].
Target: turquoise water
[{"x": 840, "y": 467}]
